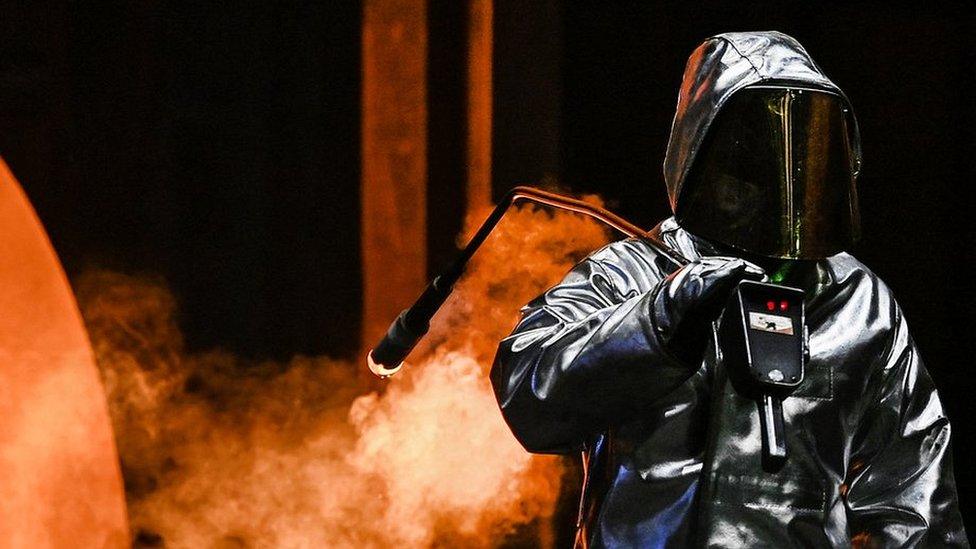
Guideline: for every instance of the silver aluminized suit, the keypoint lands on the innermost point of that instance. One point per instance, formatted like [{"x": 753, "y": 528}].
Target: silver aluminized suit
[{"x": 672, "y": 451}]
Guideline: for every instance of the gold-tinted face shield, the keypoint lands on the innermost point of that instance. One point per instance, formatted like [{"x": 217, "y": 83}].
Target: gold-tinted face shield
[{"x": 775, "y": 176}]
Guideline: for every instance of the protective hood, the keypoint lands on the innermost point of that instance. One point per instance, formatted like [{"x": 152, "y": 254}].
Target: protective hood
[{"x": 720, "y": 75}]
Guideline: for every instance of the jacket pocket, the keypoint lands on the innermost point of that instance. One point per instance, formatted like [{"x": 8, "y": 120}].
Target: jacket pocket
[
  {"x": 818, "y": 382},
  {"x": 775, "y": 495}
]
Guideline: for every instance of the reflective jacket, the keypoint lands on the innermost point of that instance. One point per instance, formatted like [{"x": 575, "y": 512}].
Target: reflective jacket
[{"x": 672, "y": 453}]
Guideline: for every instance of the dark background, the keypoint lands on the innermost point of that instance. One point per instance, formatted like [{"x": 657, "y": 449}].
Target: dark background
[{"x": 218, "y": 147}]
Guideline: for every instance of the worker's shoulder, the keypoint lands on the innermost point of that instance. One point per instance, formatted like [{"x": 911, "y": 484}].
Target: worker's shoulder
[
  {"x": 845, "y": 269},
  {"x": 626, "y": 249},
  {"x": 632, "y": 263},
  {"x": 868, "y": 304},
  {"x": 862, "y": 288}
]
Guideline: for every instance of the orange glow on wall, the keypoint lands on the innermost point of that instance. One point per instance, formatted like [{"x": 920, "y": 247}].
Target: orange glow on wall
[
  {"x": 480, "y": 43},
  {"x": 394, "y": 160}
]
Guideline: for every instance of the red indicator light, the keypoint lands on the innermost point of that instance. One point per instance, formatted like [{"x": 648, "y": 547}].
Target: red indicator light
[
  {"x": 784, "y": 305},
  {"x": 771, "y": 305}
]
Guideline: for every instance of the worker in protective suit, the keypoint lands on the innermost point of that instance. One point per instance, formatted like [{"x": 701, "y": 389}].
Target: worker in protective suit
[{"x": 620, "y": 359}]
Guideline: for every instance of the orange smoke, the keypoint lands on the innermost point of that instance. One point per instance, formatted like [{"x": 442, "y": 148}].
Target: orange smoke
[{"x": 219, "y": 452}]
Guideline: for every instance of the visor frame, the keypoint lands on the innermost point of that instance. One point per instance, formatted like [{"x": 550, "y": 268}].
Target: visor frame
[{"x": 798, "y": 244}]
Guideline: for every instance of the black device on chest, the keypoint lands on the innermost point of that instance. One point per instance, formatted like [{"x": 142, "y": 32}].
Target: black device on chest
[{"x": 764, "y": 343}]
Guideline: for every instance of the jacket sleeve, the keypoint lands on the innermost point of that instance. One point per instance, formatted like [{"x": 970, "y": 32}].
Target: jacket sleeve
[
  {"x": 901, "y": 491},
  {"x": 583, "y": 356}
]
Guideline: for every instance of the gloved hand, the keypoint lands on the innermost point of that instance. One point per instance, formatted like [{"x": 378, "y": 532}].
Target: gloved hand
[{"x": 691, "y": 298}]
